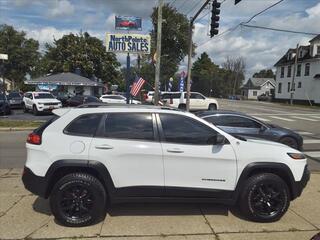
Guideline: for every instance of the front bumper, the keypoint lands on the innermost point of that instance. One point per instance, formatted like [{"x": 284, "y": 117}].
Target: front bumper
[
  {"x": 298, "y": 187},
  {"x": 35, "y": 184}
]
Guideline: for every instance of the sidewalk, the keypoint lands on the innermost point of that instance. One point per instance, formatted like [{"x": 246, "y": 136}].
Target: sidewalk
[{"x": 23, "y": 215}]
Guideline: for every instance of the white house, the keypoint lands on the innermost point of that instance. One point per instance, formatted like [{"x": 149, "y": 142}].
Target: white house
[
  {"x": 255, "y": 87},
  {"x": 306, "y": 86}
]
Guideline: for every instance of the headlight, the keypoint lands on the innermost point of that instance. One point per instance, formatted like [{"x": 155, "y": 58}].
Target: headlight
[
  {"x": 297, "y": 156},
  {"x": 40, "y": 103}
]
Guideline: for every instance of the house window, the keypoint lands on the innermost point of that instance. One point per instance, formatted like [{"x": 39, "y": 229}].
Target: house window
[
  {"x": 289, "y": 71},
  {"x": 279, "y": 87},
  {"x": 300, "y": 54},
  {"x": 299, "y": 70},
  {"x": 299, "y": 84},
  {"x": 288, "y": 86},
  {"x": 307, "y": 69},
  {"x": 318, "y": 50},
  {"x": 282, "y": 72},
  {"x": 254, "y": 93}
]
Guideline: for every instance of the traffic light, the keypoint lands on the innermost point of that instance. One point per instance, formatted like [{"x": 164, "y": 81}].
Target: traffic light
[{"x": 215, "y": 18}]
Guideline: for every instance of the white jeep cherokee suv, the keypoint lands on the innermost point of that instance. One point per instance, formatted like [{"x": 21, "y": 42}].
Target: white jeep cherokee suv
[
  {"x": 84, "y": 158},
  {"x": 197, "y": 101},
  {"x": 40, "y": 102}
]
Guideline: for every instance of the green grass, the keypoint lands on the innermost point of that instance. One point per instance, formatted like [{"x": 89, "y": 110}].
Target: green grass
[{"x": 19, "y": 124}]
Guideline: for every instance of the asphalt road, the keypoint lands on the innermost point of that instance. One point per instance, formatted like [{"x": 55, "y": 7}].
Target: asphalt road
[{"x": 304, "y": 120}]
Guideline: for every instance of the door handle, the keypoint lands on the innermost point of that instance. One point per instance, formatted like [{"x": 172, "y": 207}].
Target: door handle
[
  {"x": 175, "y": 150},
  {"x": 104, "y": 147}
]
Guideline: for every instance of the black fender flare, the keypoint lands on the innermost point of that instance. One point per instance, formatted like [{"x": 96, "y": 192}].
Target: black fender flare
[{"x": 280, "y": 169}]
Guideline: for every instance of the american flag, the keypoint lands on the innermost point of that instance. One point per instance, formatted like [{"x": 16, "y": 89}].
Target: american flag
[{"x": 137, "y": 85}]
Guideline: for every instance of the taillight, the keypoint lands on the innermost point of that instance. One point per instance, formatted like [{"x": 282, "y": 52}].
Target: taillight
[{"x": 34, "y": 138}]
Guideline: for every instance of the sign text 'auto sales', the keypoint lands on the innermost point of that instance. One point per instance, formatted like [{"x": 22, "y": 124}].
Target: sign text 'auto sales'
[{"x": 128, "y": 43}]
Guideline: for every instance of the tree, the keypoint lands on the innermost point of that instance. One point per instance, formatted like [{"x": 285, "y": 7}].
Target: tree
[
  {"x": 23, "y": 54},
  {"x": 236, "y": 67},
  {"x": 203, "y": 75},
  {"x": 84, "y": 52},
  {"x": 265, "y": 73},
  {"x": 175, "y": 28}
]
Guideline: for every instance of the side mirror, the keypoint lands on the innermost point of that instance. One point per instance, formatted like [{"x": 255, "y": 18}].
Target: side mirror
[
  {"x": 217, "y": 140},
  {"x": 262, "y": 128}
]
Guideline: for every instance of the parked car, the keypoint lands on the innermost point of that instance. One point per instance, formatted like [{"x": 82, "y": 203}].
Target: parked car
[
  {"x": 15, "y": 99},
  {"x": 4, "y": 105},
  {"x": 81, "y": 99},
  {"x": 63, "y": 97},
  {"x": 236, "y": 123},
  {"x": 113, "y": 98},
  {"x": 149, "y": 97},
  {"x": 39, "y": 102},
  {"x": 93, "y": 156},
  {"x": 197, "y": 101},
  {"x": 264, "y": 97}
]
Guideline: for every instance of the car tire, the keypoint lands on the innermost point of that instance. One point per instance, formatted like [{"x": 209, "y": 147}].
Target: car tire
[
  {"x": 289, "y": 141},
  {"x": 264, "y": 198},
  {"x": 35, "y": 110},
  {"x": 25, "y": 109},
  {"x": 212, "y": 107},
  {"x": 67, "y": 200},
  {"x": 182, "y": 107},
  {"x": 8, "y": 111}
]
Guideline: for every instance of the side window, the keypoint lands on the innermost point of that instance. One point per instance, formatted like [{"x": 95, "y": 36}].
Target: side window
[
  {"x": 136, "y": 126},
  {"x": 216, "y": 120},
  {"x": 85, "y": 125},
  {"x": 237, "y": 121},
  {"x": 184, "y": 130}
]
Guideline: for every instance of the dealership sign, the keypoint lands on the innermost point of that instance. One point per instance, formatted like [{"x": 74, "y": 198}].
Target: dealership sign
[
  {"x": 128, "y": 23},
  {"x": 128, "y": 43}
]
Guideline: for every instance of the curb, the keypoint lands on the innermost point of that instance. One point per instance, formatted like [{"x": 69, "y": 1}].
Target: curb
[{"x": 8, "y": 129}]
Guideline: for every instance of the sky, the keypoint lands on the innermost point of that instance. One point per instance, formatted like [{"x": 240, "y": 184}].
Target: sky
[{"x": 45, "y": 20}]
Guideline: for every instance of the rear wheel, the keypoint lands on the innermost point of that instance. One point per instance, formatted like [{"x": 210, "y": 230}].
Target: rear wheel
[
  {"x": 264, "y": 198},
  {"x": 212, "y": 107},
  {"x": 182, "y": 107},
  {"x": 25, "y": 109},
  {"x": 78, "y": 199},
  {"x": 289, "y": 141}
]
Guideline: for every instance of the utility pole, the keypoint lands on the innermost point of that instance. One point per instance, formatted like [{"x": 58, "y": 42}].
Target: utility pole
[
  {"x": 190, "y": 53},
  {"x": 158, "y": 53},
  {"x": 293, "y": 75}
]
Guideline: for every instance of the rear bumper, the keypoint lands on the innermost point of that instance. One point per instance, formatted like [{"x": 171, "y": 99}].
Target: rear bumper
[
  {"x": 33, "y": 183},
  {"x": 298, "y": 187}
]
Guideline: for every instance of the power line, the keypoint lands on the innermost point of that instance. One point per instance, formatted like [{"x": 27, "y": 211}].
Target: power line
[
  {"x": 236, "y": 26},
  {"x": 194, "y": 6},
  {"x": 278, "y": 29}
]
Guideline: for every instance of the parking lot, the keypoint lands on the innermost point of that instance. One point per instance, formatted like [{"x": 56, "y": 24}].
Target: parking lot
[{"x": 23, "y": 215}]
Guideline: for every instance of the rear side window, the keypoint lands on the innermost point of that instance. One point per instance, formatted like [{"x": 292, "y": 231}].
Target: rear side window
[
  {"x": 171, "y": 95},
  {"x": 85, "y": 125},
  {"x": 136, "y": 126}
]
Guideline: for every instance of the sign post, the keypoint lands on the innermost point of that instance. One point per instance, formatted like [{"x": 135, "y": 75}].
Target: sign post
[{"x": 128, "y": 79}]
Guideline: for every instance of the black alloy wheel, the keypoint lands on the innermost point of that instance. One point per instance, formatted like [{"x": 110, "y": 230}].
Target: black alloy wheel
[
  {"x": 78, "y": 199},
  {"x": 267, "y": 199},
  {"x": 264, "y": 198},
  {"x": 76, "y": 202}
]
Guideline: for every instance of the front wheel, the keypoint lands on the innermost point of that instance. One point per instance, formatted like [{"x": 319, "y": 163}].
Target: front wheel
[
  {"x": 212, "y": 107},
  {"x": 264, "y": 198},
  {"x": 78, "y": 199},
  {"x": 35, "y": 110}
]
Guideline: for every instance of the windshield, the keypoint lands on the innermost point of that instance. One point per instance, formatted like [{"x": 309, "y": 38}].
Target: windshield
[
  {"x": 42, "y": 95},
  {"x": 14, "y": 95}
]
